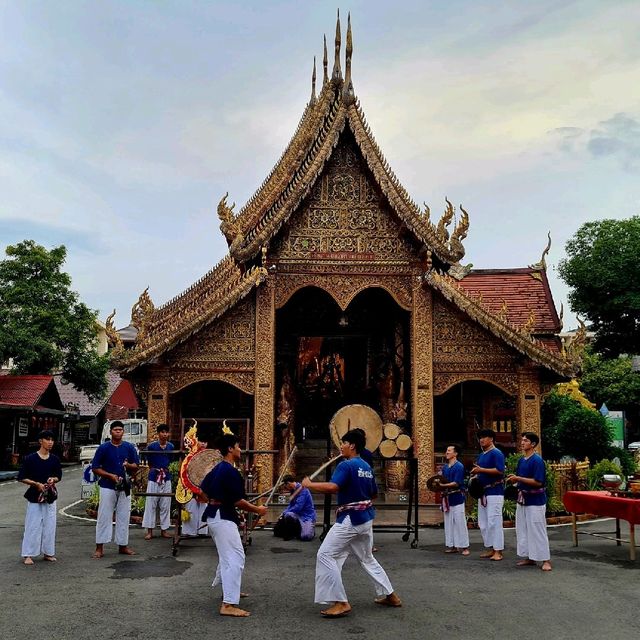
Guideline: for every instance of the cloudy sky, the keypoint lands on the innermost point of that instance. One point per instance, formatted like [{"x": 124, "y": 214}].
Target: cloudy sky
[{"x": 123, "y": 123}]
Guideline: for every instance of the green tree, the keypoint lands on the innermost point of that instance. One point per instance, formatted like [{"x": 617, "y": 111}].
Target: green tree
[
  {"x": 570, "y": 429},
  {"x": 611, "y": 381},
  {"x": 603, "y": 271},
  {"x": 44, "y": 328}
]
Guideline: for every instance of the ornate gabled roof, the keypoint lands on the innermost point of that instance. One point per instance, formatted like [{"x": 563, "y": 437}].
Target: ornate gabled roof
[
  {"x": 302, "y": 162},
  {"x": 517, "y": 336},
  {"x": 162, "y": 329}
]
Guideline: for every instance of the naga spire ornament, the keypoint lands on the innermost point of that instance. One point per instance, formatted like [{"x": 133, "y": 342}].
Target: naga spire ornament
[
  {"x": 325, "y": 63},
  {"x": 313, "y": 83},
  {"x": 336, "y": 76},
  {"x": 348, "y": 94}
]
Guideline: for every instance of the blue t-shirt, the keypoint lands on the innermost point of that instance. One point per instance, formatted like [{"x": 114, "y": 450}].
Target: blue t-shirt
[
  {"x": 532, "y": 467},
  {"x": 492, "y": 459},
  {"x": 111, "y": 458},
  {"x": 223, "y": 484},
  {"x": 356, "y": 483},
  {"x": 35, "y": 468},
  {"x": 158, "y": 461},
  {"x": 302, "y": 505},
  {"x": 454, "y": 473}
]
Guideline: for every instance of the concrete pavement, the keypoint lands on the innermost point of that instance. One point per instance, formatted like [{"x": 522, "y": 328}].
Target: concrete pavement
[{"x": 593, "y": 591}]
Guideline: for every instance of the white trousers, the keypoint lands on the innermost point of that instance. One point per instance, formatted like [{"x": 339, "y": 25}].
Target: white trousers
[
  {"x": 195, "y": 510},
  {"x": 111, "y": 501},
  {"x": 531, "y": 533},
  {"x": 226, "y": 537},
  {"x": 456, "y": 533},
  {"x": 39, "y": 530},
  {"x": 153, "y": 504},
  {"x": 342, "y": 539},
  {"x": 490, "y": 522}
]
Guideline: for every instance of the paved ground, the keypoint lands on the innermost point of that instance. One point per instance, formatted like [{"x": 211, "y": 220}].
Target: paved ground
[{"x": 593, "y": 592}]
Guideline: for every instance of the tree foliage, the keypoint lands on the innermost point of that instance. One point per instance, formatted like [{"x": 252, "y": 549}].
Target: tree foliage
[
  {"x": 569, "y": 429},
  {"x": 611, "y": 381},
  {"x": 603, "y": 271},
  {"x": 44, "y": 328}
]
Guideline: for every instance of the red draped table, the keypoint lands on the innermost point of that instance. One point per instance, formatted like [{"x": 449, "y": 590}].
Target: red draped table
[{"x": 601, "y": 503}]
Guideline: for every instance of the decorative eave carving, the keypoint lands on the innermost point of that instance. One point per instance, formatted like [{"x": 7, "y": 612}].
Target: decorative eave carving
[
  {"x": 142, "y": 313},
  {"x": 201, "y": 304},
  {"x": 113, "y": 337},
  {"x": 516, "y": 337},
  {"x": 302, "y": 162}
]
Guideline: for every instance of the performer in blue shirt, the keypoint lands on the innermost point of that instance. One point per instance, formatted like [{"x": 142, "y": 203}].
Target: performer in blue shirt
[
  {"x": 159, "y": 482},
  {"x": 531, "y": 524},
  {"x": 41, "y": 471},
  {"x": 298, "y": 520},
  {"x": 456, "y": 534},
  {"x": 111, "y": 462},
  {"x": 489, "y": 470},
  {"x": 224, "y": 488},
  {"x": 355, "y": 485}
]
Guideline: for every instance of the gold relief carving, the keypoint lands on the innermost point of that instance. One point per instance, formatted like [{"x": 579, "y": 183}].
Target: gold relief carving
[
  {"x": 529, "y": 401},
  {"x": 158, "y": 402},
  {"x": 343, "y": 288},
  {"x": 265, "y": 380},
  {"x": 243, "y": 380},
  {"x": 422, "y": 384},
  {"x": 442, "y": 382},
  {"x": 352, "y": 219},
  {"x": 230, "y": 340}
]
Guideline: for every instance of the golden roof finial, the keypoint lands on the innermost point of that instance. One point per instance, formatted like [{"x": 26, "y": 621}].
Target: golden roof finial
[
  {"x": 113, "y": 337},
  {"x": 337, "y": 72},
  {"x": 445, "y": 220},
  {"x": 325, "y": 63},
  {"x": 313, "y": 83},
  {"x": 542, "y": 264},
  {"x": 348, "y": 94}
]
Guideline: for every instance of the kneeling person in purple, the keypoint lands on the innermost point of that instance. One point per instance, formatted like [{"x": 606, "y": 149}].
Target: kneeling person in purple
[
  {"x": 41, "y": 471},
  {"x": 111, "y": 462},
  {"x": 531, "y": 524},
  {"x": 355, "y": 485},
  {"x": 298, "y": 520},
  {"x": 224, "y": 488},
  {"x": 456, "y": 534}
]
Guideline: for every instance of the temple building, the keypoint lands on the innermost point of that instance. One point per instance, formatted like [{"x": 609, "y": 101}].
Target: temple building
[{"x": 338, "y": 290}]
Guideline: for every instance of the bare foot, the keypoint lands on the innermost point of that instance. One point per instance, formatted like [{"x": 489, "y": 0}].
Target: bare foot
[
  {"x": 233, "y": 611},
  {"x": 487, "y": 554},
  {"x": 392, "y": 600},
  {"x": 28, "y": 561},
  {"x": 50, "y": 558},
  {"x": 98, "y": 553},
  {"x": 165, "y": 534},
  {"x": 525, "y": 563},
  {"x": 546, "y": 566},
  {"x": 497, "y": 556},
  {"x": 126, "y": 551},
  {"x": 148, "y": 536},
  {"x": 451, "y": 550},
  {"x": 465, "y": 552},
  {"x": 337, "y": 610}
]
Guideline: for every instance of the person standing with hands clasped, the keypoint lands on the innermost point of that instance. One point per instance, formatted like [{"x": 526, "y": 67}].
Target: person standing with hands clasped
[
  {"x": 41, "y": 471},
  {"x": 224, "y": 488},
  {"x": 355, "y": 485},
  {"x": 489, "y": 469},
  {"x": 456, "y": 534},
  {"x": 111, "y": 462},
  {"x": 159, "y": 482},
  {"x": 531, "y": 524}
]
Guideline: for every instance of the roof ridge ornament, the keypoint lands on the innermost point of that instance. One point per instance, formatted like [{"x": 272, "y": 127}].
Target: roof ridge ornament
[
  {"x": 313, "y": 83},
  {"x": 541, "y": 265},
  {"x": 460, "y": 232},
  {"x": 325, "y": 63},
  {"x": 141, "y": 314},
  {"x": 229, "y": 222},
  {"x": 113, "y": 337},
  {"x": 445, "y": 220},
  {"x": 336, "y": 76},
  {"x": 348, "y": 95}
]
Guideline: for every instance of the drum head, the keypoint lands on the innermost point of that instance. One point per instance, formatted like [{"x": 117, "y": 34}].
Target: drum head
[
  {"x": 357, "y": 415},
  {"x": 198, "y": 466}
]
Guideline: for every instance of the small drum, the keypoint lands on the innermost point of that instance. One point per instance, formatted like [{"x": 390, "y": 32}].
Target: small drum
[
  {"x": 433, "y": 483},
  {"x": 475, "y": 488},
  {"x": 194, "y": 470}
]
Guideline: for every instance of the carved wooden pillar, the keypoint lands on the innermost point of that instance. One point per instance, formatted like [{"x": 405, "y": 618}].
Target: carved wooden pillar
[
  {"x": 422, "y": 384},
  {"x": 528, "y": 400},
  {"x": 265, "y": 380},
  {"x": 157, "y": 402}
]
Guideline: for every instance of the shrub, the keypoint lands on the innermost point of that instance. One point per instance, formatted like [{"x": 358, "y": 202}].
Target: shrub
[{"x": 627, "y": 461}]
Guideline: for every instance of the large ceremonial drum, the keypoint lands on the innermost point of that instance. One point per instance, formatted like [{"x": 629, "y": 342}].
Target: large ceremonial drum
[
  {"x": 357, "y": 415},
  {"x": 197, "y": 467}
]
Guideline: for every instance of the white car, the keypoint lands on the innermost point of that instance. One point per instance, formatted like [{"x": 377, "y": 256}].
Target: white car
[
  {"x": 633, "y": 446},
  {"x": 87, "y": 452}
]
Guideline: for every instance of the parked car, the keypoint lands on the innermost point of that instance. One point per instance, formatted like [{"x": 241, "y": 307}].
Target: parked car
[
  {"x": 135, "y": 430},
  {"x": 87, "y": 452},
  {"x": 633, "y": 446}
]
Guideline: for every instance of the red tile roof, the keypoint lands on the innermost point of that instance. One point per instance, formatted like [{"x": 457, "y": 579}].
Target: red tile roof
[
  {"x": 523, "y": 293},
  {"x": 23, "y": 391}
]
